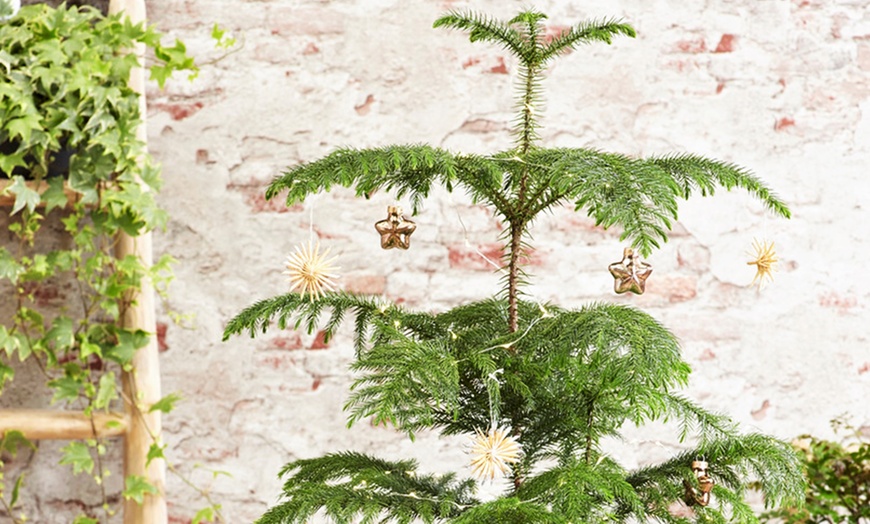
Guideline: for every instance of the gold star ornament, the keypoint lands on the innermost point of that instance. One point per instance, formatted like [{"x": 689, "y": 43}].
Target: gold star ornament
[
  {"x": 395, "y": 230},
  {"x": 493, "y": 452},
  {"x": 765, "y": 262},
  {"x": 310, "y": 271},
  {"x": 630, "y": 273}
]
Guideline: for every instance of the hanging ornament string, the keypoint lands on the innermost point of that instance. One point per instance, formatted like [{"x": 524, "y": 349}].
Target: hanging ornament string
[{"x": 497, "y": 266}]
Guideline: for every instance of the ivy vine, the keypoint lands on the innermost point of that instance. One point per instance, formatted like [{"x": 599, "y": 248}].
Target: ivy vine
[{"x": 68, "y": 122}]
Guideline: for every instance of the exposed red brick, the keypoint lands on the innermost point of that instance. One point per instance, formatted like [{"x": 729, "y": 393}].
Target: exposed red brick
[
  {"x": 500, "y": 68},
  {"x": 161, "y": 336},
  {"x": 179, "y": 111},
  {"x": 836, "y": 301},
  {"x": 783, "y": 123},
  {"x": 288, "y": 342},
  {"x": 364, "y": 108},
  {"x": 864, "y": 369},
  {"x": 365, "y": 284},
  {"x": 726, "y": 44},
  {"x": 315, "y": 384},
  {"x": 473, "y": 60},
  {"x": 462, "y": 256},
  {"x": 310, "y": 49},
  {"x": 719, "y": 87},
  {"x": 761, "y": 412},
  {"x": 320, "y": 341},
  {"x": 255, "y": 197},
  {"x": 692, "y": 46},
  {"x": 176, "y": 519}
]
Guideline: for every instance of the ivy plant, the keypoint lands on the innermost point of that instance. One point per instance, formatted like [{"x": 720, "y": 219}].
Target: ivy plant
[
  {"x": 71, "y": 157},
  {"x": 838, "y": 479}
]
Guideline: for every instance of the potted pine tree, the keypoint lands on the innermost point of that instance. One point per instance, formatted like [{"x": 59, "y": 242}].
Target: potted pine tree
[{"x": 536, "y": 386}]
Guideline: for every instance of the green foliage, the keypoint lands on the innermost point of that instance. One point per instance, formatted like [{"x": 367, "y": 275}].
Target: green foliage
[
  {"x": 358, "y": 486},
  {"x": 838, "y": 479},
  {"x": 561, "y": 381},
  {"x": 137, "y": 487},
  {"x": 78, "y": 456},
  {"x": 64, "y": 94}
]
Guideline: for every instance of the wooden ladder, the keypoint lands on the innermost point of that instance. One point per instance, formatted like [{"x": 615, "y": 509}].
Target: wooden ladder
[{"x": 141, "y": 385}]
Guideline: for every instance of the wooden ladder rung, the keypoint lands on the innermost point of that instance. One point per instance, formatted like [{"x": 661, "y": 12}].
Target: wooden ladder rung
[{"x": 46, "y": 424}]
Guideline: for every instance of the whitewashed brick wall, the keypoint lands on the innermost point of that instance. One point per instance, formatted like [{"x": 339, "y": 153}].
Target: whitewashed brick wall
[{"x": 778, "y": 86}]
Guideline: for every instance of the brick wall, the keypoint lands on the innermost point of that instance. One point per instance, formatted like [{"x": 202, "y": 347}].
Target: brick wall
[{"x": 780, "y": 87}]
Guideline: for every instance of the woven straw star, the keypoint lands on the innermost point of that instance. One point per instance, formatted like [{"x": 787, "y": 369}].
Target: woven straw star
[
  {"x": 765, "y": 262},
  {"x": 493, "y": 451},
  {"x": 310, "y": 271}
]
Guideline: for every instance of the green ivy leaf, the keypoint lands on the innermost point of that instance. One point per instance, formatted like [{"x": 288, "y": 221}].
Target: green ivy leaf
[
  {"x": 22, "y": 127},
  {"x": 15, "y": 490},
  {"x": 54, "y": 196},
  {"x": 9, "y": 267},
  {"x": 65, "y": 388},
  {"x": 81, "y": 519},
  {"x": 204, "y": 515},
  {"x": 79, "y": 456},
  {"x": 13, "y": 440},
  {"x": 6, "y": 374},
  {"x": 128, "y": 343},
  {"x": 154, "y": 452},
  {"x": 165, "y": 404},
  {"x": 12, "y": 160},
  {"x": 107, "y": 391},
  {"x": 24, "y": 196},
  {"x": 89, "y": 348},
  {"x": 61, "y": 334},
  {"x": 137, "y": 487}
]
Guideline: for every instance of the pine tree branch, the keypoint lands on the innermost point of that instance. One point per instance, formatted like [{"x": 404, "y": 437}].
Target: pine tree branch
[
  {"x": 732, "y": 462},
  {"x": 486, "y": 29},
  {"x": 406, "y": 169},
  {"x": 640, "y": 195},
  {"x": 587, "y": 32},
  {"x": 408, "y": 384},
  {"x": 351, "y": 486},
  {"x": 695, "y": 173},
  {"x": 578, "y": 491}
]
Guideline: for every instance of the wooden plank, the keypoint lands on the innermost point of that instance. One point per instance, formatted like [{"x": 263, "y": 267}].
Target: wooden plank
[
  {"x": 8, "y": 199},
  {"x": 142, "y": 385},
  {"x": 44, "y": 424}
]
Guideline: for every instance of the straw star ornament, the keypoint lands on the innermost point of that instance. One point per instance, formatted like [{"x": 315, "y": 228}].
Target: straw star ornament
[
  {"x": 493, "y": 451},
  {"x": 311, "y": 271},
  {"x": 765, "y": 262}
]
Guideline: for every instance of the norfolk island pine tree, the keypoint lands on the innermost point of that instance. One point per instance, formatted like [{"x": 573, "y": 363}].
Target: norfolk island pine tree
[{"x": 559, "y": 380}]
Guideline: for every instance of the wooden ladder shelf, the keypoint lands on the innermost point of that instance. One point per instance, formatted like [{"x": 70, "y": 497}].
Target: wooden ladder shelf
[{"x": 141, "y": 385}]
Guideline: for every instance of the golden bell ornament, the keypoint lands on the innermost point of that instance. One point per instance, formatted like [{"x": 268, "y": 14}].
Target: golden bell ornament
[
  {"x": 395, "y": 230},
  {"x": 630, "y": 273}
]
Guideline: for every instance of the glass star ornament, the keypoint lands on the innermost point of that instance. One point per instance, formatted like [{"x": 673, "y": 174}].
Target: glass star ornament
[
  {"x": 765, "y": 262},
  {"x": 493, "y": 452},
  {"x": 310, "y": 271},
  {"x": 395, "y": 230},
  {"x": 630, "y": 273}
]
